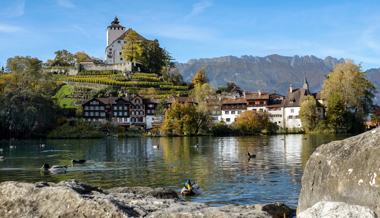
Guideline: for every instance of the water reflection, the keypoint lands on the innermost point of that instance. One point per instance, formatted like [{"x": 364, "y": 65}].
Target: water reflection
[{"x": 220, "y": 165}]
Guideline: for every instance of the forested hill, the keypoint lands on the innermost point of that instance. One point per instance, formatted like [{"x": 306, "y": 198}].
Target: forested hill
[{"x": 270, "y": 73}]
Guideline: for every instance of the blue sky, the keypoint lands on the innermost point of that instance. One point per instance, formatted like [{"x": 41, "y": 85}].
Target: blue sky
[{"x": 196, "y": 29}]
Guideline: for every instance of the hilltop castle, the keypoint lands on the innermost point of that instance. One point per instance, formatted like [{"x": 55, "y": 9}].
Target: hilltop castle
[{"x": 115, "y": 42}]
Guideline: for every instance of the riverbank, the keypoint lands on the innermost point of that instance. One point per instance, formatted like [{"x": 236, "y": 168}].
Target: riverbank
[{"x": 71, "y": 198}]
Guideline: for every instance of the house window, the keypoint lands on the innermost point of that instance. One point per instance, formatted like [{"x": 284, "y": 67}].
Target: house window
[
  {"x": 214, "y": 118},
  {"x": 141, "y": 107},
  {"x": 254, "y": 109},
  {"x": 213, "y": 112},
  {"x": 137, "y": 101},
  {"x": 119, "y": 40},
  {"x": 115, "y": 108},
  {"x": 86, "y": 107},
  {"x": 102, "y": 114},
  {"x": 132, "y": 107},
  {"x": 133, "y": 120},
  {"x": 120, "y": 102},
  {"x": 86, "y": 114},
  {"x": 125, "y": 113},
  {"x": 228, "y": 120},
  {"x": 120, "y": 108},
  {"x": 150, "y": 105},
  {"x": 133, "y": 112},
  {"x": 243, "y": 106},
  {"x": 96, "y": 108},
  {"x": 120, "y": 113},
  {"x": 291, "y": 110},
  {"x": 152, "y": 111},
  {"x": 121, "y": 59},
  {"x": 115, "y": 114},
  {"x": 120, "y": 53},
  {"x": 232, "y": 112},
  {"x": 215, "y": 107},
  {"x": 141, "y": 112},
  {"x": 219, "y": 112},
  {"x": 110, "y": 49},
  {"x": 279, "y": 109},
  {"x": 91, "y": 114},
  {"x": 91, "y": 108},
  {"x": 125, "y": 41},
  {"x": 226, "y": 112},
  {"x": 239, "y": 112},
  {"x": 290, "y": 117},
  {"x": 125, "y": 107},
  {"x": 148, "y": 111},
  {"x": 101, "y": 107},
  {"x": 96, "y": 114}
]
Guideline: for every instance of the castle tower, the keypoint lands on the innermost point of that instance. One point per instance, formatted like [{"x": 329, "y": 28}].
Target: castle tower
[
  {"x": 305, "y": 84},
  {"x": 114, "y": 31}
]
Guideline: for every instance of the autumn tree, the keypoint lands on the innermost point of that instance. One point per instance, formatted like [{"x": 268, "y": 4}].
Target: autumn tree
[
  {"x": 308, "y": 113},
  {"x": 200, "y": 77},
  {"x": 131, "y": 48},
  {"x": 201, "y": 93},
  {"x": 80, "y": 56},
  {"x": 26, "y": 95},
  {"x": 180, "y": 118},
  {"x": 251, "y": 121},
  {"x": 351, "y": 84}
]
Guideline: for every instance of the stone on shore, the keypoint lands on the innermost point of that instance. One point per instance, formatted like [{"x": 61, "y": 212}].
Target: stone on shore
[
  {"x": 337, "y": 210},
  {"x": 71, "y": 198},
  {"x": 344, "y": 171}
]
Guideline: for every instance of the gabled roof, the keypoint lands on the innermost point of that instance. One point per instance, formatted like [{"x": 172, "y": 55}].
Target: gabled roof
[
  {"x": 122, "y": 36},
  {"x": 255, "y": 95},
  {"x": 294, "y": 99},
  {"x": 234, "y": 101}
]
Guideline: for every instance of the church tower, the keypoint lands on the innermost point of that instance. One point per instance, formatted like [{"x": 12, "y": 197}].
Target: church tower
[
  {"x": 305, "y": 84},
  {"x": 114, "y": 31}
]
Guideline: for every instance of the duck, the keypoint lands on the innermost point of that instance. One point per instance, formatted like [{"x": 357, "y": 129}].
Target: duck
[
  {"x": 54, "y": 167},
  {"x": 156, "y": 146},
  {"x": 1, "y": 150},
  {"x": 2, "y": 157},
  {"x": 191, "y": 188},
  {"x": 197, "y": 146},
  {"x": 78, "y": 161},
  {"x": 251, "y": 156},
  {"x": 42, "y": 145}
]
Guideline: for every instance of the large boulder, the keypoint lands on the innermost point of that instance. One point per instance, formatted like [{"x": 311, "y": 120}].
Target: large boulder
[
  {"x": 75, "y": 199},
  {"x": 337, "y": 210},
  {"x": 344, "y": 171}
]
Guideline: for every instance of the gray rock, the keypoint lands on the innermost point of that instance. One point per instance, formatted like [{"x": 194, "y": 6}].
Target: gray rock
[
  {"x": 344, "y": 171},
  {"x": 337, "y": 210},
  {"x": 71, "y": 198}
]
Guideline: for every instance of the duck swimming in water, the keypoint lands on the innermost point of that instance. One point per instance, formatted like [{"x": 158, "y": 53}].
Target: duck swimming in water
[
  {"x": 78, "y": 161},
  {"x": 54, "y": 168},
  {"x": 156, "y": 146},
  {"x": 251, "y": 156},
  {"x": 191, "y": 188}
]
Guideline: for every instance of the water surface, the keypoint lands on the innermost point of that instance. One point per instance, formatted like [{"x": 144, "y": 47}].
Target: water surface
[{"x": 220, "y": 165}]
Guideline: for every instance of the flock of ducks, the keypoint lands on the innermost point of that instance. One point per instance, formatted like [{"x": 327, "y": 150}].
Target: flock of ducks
[{"x": 190, "y": 188}]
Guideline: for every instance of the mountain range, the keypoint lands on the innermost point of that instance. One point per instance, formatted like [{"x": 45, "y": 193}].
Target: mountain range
[{"x": 269, "y": 73}]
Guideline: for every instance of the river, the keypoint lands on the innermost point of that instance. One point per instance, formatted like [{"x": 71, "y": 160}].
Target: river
[{"x": 220, "y": 165}]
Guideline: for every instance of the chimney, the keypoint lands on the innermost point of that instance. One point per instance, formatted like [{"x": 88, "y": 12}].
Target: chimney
[
  {"x": 244, "y": 94},
  {"x": 291, "y": 89},
  {"x": 259, "y": 92}
]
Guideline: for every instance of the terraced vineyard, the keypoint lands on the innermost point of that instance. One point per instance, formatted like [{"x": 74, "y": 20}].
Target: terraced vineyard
[{"x": 137, "y": 83}]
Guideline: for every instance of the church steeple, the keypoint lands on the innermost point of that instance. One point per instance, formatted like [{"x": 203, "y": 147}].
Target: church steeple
[{"x": 305, "y": 84}]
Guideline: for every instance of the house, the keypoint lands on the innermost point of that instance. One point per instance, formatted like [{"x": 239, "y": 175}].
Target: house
[
  {"x": 231, "y": 107},
  {"x": 115, "y": 42},
  {"x": 257, "y": 101},
  {"x": 292, "y": 106}
]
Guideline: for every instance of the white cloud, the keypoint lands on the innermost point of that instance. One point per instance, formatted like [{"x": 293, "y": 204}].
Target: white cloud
[
  {"x": 199, "y": 8},
  {"x": 65, "y": 3},
  {"x": 14, "y": 10},
  {"x": 9, "y": 29}
]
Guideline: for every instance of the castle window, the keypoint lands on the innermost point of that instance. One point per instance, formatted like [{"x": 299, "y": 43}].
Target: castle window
[
  {"x": 110, "y": 49},
  {"x": 118, "y": 41},
  {"x": 121, "y": 59},
  {"x": 120, "y": 53},
  {"x": 110, "y": 52}
]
